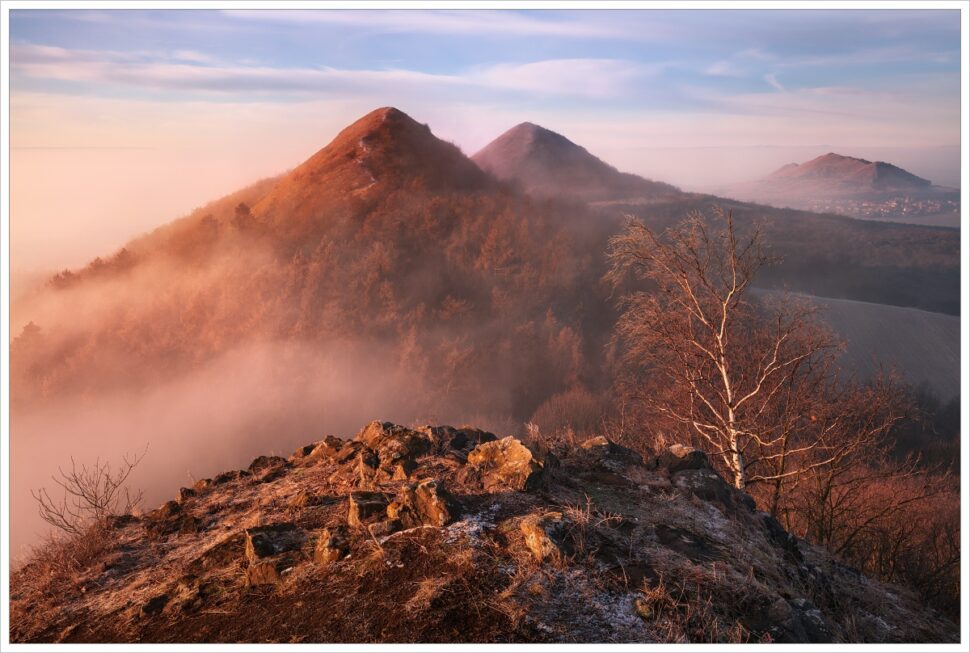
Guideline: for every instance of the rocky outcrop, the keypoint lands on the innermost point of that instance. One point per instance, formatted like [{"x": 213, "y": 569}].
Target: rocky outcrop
[{"x": 402, "y": 534}]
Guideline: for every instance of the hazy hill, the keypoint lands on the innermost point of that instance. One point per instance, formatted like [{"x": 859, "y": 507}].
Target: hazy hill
[
  {"x": 436, "y": 534},
  {"x": 847, "y": 185},
  {"x": 547, "y": 164},
  {"x": 387, "y": 236},
  {"x": 922, "y": 347}
]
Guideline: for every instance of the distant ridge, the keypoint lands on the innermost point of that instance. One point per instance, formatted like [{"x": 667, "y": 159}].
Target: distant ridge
[{"x": 854, "y": 173}]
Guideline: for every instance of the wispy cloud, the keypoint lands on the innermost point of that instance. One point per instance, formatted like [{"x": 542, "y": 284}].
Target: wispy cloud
[
  {"x": 190, "y": 71},
  {"x": 500, "y": 23},
  {"x": 773, "y": 80}
]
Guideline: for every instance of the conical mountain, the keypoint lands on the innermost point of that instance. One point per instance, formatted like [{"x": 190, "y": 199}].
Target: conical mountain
[
  {"x": 386, "y": 238},
  {"x": 547, "y": 164}
]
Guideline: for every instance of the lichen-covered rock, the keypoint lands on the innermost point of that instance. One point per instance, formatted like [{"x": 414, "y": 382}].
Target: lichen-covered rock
[
  {"x": 507, "y": 464},
  {"x": 332, "y": 545},
  {"x": 426, "y": 503},
  {"x": 364, "y": 507}
]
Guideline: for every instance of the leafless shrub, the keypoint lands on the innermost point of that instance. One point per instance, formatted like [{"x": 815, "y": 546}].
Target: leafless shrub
[{"x": 89, "y": 495}]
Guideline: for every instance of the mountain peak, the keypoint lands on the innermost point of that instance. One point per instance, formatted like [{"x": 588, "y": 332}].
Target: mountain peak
[
  {"x": 547, "y": 164},
  {"x": 851, "y": 172},
  {"x": 383, "y": 150}
]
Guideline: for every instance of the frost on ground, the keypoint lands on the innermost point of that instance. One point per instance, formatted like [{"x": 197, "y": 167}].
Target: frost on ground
[{"x": 435, "y": 534}]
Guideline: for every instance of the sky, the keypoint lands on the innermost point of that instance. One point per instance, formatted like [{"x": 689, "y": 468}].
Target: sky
[{"x": 124, "y": 120}]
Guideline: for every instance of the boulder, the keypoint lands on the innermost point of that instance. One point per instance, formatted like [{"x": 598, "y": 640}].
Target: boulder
[
  {"x": 507, "y": 464},
  {"x": 332, "y": 545},
  {"x": 678, "y": 457},
  {"x": 426, "y": 503},
  {"x": 364, "y": 507},
  {"x": 545, "y": 535},
  {"x": 268, "y": 541},
  {"x": 185, "y": 493}
]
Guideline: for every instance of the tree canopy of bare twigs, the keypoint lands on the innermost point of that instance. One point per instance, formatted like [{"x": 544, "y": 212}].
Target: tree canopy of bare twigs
[
  {"x": 752, "y": 382},
  {"x": 89, "y": 494}
]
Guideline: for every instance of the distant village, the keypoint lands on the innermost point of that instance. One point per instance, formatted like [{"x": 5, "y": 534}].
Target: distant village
[{"x": 896, "y": 206}]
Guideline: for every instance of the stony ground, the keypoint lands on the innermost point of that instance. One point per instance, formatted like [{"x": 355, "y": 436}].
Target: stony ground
[{"x": 437, "y": 534}]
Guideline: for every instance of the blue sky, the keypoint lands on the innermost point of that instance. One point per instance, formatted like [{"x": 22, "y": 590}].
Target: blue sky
[{"x": 697, "y": 98}]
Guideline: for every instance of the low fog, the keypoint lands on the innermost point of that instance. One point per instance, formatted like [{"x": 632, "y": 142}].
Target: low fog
[{"x": 261, "y": 399}]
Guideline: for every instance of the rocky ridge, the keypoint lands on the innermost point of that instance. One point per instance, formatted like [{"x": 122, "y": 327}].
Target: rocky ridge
[{"x": 436, "y": 533}]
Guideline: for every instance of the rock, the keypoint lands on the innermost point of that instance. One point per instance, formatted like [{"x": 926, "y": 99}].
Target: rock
[
  {"x": 397, "y": 448},
  {"x": 302, "y": 452},
  {"x": 678, "y": 457},
  {"x": 605, "y": 452},
  {"x": 385, "y": 527},
  {"x": 781, "y": 538},
  {"x": 265, "y": 572},
  {"x": 154, "y": 605},
  {"x": 449, "y": 441},
  {"x": 189, "y": 524},
  {"x": 202, "y": 485},
  {"x": 507, "y": 464},
  {"x": 808, "y": 624},
  {"x": 348, "y": 451},
  {"x": 328, "y": 448},
  {"x": 185, "y": 493},
  {"x": 332, "y": 545},
  {"x": 167, "y": 510},
  {"x": 426, "y": 503},
  {"x": 364, "y": 506},
  {"x": 434, "y": 505},
  {"x": 705, "y": 484},
  {"x": 227, "y": 477},
  {"x": 708, "y": 485},
  {"x": 262, "y": 463},
  {"x": 545, "y": 535},
  {"x": 266, "y": 541}
]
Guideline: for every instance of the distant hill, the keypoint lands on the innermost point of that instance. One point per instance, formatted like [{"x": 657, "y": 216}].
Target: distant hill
[
  {"x": 922, "y": 347},
  {"x": 547, "y": 164},
  {"x": 390, "y": 235},
  {"x": 857, "y": 187}
]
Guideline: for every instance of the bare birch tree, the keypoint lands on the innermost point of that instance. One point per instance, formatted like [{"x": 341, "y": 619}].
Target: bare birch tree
[{"x": 752, "y": 383}]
